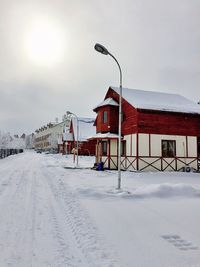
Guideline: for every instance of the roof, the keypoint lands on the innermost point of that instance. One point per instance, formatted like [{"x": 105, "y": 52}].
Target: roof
[
  {"x": 108, "y": 101},
  {"x": 158, "y": 101},
  {"x": 68, "y": 137},
  {"x": 104, "y": 136},
  {"x": 86, "y": 128}
]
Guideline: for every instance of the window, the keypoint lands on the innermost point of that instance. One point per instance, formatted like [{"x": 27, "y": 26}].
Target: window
[
  {"x": 123, "y": 148},
  {"x": 123, "y": 118},
  {"x": 198, "y": 147},
  {"x": 168, "y": 148},
  {"x": 105, "y": 117},
  {"x": 104, "y": 148}
]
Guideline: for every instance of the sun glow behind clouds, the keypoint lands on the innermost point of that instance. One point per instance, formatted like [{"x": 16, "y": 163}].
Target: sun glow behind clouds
[{"x": 45, "y": 43}]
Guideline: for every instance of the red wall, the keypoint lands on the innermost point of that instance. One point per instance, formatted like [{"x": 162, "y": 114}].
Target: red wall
[
  {"x": 129, "y": 125},
  {"x": 147, "y": 121},
  {"x": 112, "y": 123},
  {"x": 168, "y": 123},
  {"x": 87, "y": 148}
]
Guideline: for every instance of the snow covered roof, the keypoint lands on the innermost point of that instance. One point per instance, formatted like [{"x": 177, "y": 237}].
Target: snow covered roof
[
  {"x": 86, "y": 128},
  {"x": 108, "y": 101},
  {"x": 158, "y": 101},
  {"x": 68, "y": 137},
  {"x": 104, "y": 136}
]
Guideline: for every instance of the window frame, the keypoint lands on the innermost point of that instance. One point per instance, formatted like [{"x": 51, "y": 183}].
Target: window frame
[
  {"x": 168, "y": 152},
  {"x": 123, "y": 148},
  {"x": 123, "y": 117},
  {"x": 105, "y": 117},
  {"x": 104, "y": 149}
]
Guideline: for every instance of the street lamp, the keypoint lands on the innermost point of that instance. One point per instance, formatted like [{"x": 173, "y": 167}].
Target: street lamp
[
  {"x": 77, "y": 130},
  {"x": 101, "y": 49}
]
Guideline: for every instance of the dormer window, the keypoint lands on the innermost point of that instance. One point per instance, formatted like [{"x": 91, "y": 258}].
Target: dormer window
[{"x": 105, "y": 117}]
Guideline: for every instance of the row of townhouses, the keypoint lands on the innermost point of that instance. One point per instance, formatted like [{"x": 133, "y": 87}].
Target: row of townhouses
[{"x": 160, "y": 131}]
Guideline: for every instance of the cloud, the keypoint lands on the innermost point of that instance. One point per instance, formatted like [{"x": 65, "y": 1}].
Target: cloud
[{"x": 157, "y": 43}]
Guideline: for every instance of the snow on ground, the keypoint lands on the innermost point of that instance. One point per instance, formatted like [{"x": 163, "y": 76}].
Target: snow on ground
[{"x": 53, "y": 214}]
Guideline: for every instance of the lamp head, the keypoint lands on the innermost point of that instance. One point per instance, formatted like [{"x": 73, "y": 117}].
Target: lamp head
[
  {"x": 68, "y": 113},
  {"x": 101, "y": 49}
]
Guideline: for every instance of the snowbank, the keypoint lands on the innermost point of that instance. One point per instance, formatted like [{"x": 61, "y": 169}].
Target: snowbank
[{"x": 149, "y": 191}]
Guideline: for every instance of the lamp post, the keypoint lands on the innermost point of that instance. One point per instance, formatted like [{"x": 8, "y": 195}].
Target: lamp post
[
  {"x": 101, "y": 49},
  {"x": 77, "y": 130}
]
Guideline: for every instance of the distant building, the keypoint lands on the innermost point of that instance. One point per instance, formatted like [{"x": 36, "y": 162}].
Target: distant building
[
  {"x": 160, "y": 131},
  {"x": 49, "y": 137},
  {"x": 30, "y": 141}
]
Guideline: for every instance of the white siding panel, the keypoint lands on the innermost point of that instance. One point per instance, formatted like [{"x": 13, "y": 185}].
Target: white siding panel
[
  {"x": 192, "y": 146},
  {"x": 127, "y": 138},
  {"x": 134, "y": 144},
  {"x": 113, "y": 152},
  {"x": 180, "y": 145},
  {"x": 113, "y": 147},
  {"x": 156, "y": 145},
  {"x": 130, "y": 148},
  {"x": 143, "y": 144}
]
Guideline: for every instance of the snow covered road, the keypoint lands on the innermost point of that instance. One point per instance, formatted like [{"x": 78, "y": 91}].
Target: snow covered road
[
  {"x": 52, "y": 216},
  {"x": 42, "y": 222}
]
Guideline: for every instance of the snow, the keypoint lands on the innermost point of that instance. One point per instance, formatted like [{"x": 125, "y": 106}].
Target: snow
[
  {"x": 158, "y": 101},
  {"x": 86, "y": 128},
  {"x": 52, "y": 215},
  {"x": 11, "y": 142},
  {"x": 68, "y": 137},
  {"x": 104, "y": 135},
  {"x": 108, "y": 101},
  {"x": 16, "y": 143}
]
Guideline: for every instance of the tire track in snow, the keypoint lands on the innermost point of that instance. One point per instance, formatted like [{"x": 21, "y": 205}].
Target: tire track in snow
[
  {"x": 33, "y": 205},
  {"x": 5, "y": 183},
  {"x": 12, "y": 174},
  {"x": 64, "y": 255},
  {"x": 16, "y": 225},
  {"x": 13, "y": 230},
  {"x": 67, "y": 253},
  {"x": 78, "y": 222}
]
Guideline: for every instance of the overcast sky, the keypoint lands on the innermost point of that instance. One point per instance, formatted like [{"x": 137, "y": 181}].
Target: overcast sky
[{"x": 48, "y": 64}]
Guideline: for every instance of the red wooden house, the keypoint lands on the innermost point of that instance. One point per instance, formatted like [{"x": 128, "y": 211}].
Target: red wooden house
[
  {"x": 160, "y": 131},
  {"x": 85, "y": 129}
]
